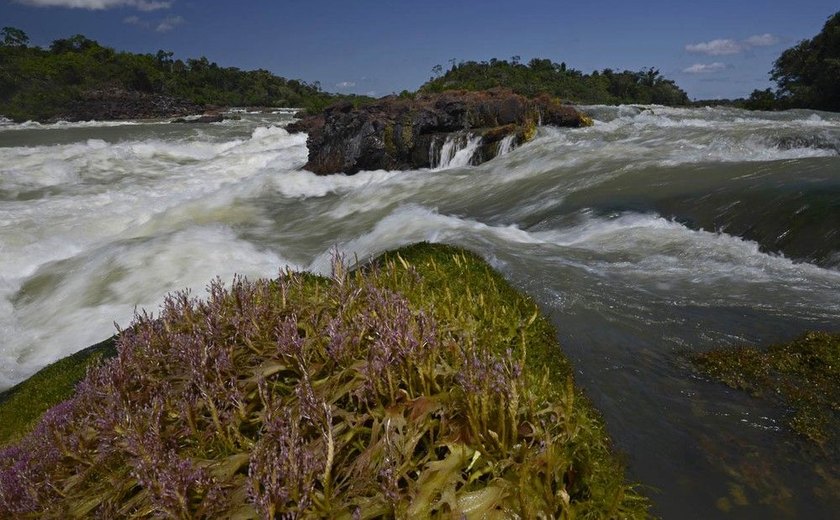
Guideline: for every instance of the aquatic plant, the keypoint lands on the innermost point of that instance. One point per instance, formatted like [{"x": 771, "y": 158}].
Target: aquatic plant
[
  {"x": 801, "y": 374},
  {"x": 421, "y": 385}
]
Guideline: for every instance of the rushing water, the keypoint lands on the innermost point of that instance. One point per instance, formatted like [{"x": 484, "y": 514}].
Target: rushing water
[{"x": 654, "y": 233}]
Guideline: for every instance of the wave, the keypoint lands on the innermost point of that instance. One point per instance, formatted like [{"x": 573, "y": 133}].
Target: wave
[
  {"x": 9, "y": 125},
  {"x": 645, "y": 245}
]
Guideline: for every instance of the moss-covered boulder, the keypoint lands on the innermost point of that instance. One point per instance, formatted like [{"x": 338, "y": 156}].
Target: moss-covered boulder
[
  {"x": 419, "y": 386},
  {"x": 398, "y": 133}
]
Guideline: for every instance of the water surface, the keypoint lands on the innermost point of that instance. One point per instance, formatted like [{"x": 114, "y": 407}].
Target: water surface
[{"x": 654, "y": 233}]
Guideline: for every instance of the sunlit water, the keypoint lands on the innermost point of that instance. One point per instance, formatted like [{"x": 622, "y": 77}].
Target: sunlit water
[{"x": 654, "y": 233}]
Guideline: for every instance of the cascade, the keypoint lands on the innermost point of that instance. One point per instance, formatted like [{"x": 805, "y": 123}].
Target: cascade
[
  {"x": 506, "y": 144},
  {"x": 457, "y": 151}
]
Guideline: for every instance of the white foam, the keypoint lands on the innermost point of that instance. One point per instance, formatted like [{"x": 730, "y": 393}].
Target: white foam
[
  {"x": 8, "y": 124},
  {"x": 456, "y": 152},
  {"x": 506, "y": 144},
  {"x": 156, "y": 210},
  {"x": 102, "y": 286},
  {"x": 642, "y": 247}
]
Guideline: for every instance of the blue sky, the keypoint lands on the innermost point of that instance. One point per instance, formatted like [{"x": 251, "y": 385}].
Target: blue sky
[{"x": 712, "y": 49}]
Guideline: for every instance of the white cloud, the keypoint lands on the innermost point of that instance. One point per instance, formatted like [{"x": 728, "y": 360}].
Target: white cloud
[
  {"x": 345, "y": 84},
  {"x": 169, "y": 23},
  {"x": 762, "y": 40},
  {"x": 718, "y": 47},
  {"x": 705, "y": 68},
  {"x": 135, "y": 20},
  {"x": 96, "y": 5},
  {"x": 726, "y": 46}
]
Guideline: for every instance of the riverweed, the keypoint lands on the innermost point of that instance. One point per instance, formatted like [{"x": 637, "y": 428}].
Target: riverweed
[
  {"x": 421, "y": 385},
  {"x": 802, "y": 375}
]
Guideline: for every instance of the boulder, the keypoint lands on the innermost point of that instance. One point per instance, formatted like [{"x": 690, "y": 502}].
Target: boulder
[
  {"x": 396, "y": 133},
  {"x": 206, "y": 118}
]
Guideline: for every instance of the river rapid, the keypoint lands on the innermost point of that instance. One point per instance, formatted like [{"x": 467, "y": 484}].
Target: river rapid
[{"x": 654, "y": 233}]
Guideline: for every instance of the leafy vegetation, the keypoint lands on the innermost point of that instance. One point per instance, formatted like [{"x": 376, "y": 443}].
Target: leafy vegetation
[
  {"x": 807, "y": 75},
  {"x": 802, "y": 375},
  {"x": 420, "y": 386},
  {"x": 544, "y": 76},
  {"x": 41, "y": 84}
]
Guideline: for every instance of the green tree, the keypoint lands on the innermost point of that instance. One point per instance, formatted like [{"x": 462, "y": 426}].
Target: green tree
[
  {"x": 544, "y": 76},
  {"x": 43, "y": 84},
  {"x": 76, "y": 43},
  {"x": 808, "y": 74},
  {"x": 14, "y": 37}
]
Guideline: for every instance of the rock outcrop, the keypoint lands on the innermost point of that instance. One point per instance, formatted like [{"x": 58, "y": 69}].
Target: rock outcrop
[
  {"x": 397, "y": 134},
  {"x": 117, "y": 104}
]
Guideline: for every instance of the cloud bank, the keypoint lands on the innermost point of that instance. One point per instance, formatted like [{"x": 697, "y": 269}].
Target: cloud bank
[
  {"x": 97, "y": 5},
  {"x": 727, "y": 46},
  {"x": 704, "y": 68}
]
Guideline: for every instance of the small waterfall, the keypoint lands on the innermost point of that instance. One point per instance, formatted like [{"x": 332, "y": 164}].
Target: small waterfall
[
  {"x": 456, "y": 151},
  {"x": 506, "y": 144}
]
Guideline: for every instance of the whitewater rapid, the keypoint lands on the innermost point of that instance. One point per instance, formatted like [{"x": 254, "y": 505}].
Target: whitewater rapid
[{"x": 655, "y": 232}]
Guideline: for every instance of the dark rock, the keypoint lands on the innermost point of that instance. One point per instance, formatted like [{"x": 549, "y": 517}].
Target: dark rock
[
  {"x": 398, "y": 134},
  {"x": 116, "y": 103}
]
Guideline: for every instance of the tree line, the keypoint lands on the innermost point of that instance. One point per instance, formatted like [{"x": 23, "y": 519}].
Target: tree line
[
  {"x": 544, "y": 76},
  {"x": 807, "y": 75},
  {"x": 38, "y": 83}
]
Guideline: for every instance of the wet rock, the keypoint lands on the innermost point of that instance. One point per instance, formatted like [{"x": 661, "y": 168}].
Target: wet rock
[
  {"x": 206, "y": 118},
  {"x": 397, "y": 134},
  {"x": 116, "y": 104}
]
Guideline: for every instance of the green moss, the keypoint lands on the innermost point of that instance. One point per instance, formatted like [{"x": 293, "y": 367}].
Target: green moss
[
  {"x": 529, "y": 131},
  {"x": 802, "y": 375},
  {"x": 22, "y": 405},
  {"x": 407, "y": 134},
  {"x": 388, "y": 137}
]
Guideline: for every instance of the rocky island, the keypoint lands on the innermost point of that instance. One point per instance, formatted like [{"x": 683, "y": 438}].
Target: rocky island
[{"x": 397, "y": 133}]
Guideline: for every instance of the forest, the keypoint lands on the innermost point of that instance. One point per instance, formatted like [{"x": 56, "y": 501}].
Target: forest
[
  {"x": 39, "y": 84},
  {"x": 544, "y": 76}
]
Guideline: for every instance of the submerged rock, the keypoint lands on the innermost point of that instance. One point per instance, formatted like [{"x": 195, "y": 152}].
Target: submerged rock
[{"x": 398, "y": 134}]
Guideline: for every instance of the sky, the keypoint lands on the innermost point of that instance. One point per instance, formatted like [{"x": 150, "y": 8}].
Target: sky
[{"x": 712, "y": 49}]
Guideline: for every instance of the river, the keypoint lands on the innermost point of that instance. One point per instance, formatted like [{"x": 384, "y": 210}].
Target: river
[{"x": 652, "y": 234}]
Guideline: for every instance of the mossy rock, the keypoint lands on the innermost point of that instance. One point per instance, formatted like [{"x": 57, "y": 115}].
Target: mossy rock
[{"x": 420, "y": 385}]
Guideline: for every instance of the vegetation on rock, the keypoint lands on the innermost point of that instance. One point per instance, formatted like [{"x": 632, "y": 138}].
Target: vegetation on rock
[
  {"x": 542, "y": 76},
  {"x": 802, "y": 375},
  {"x": 47, "y": 84},
  {"x": 420, "y": 386}
]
